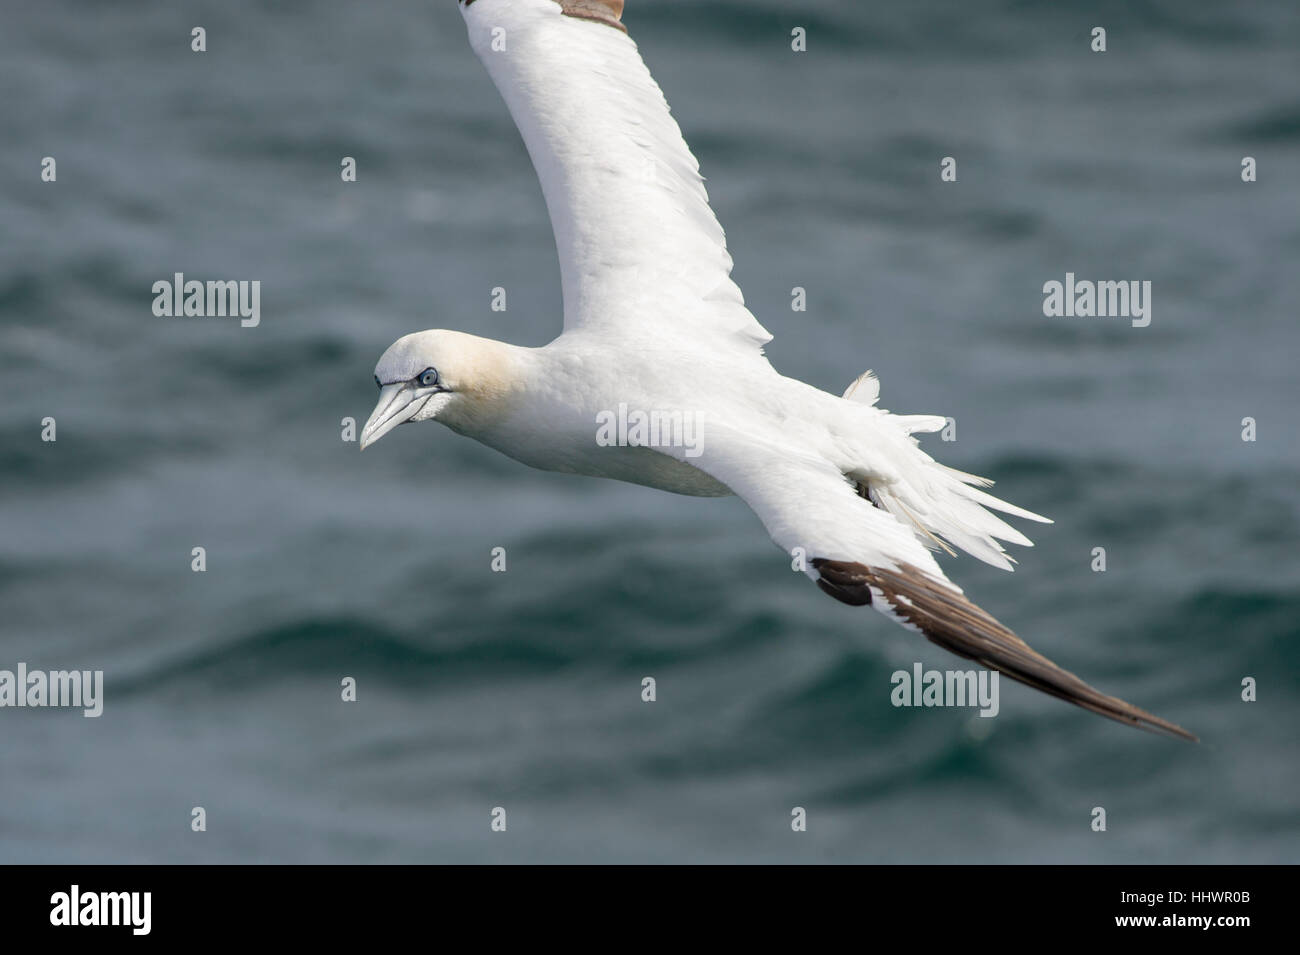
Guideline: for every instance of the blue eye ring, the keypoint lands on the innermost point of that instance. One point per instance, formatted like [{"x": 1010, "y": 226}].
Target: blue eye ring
[{"x": 428, "y": 378}]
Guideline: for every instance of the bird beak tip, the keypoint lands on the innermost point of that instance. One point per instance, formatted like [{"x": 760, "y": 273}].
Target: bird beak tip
[{"x": 396, "y": 406}]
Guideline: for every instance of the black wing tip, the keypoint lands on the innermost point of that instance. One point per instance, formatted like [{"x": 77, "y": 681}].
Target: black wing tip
[
  {"x": 1153, "y": 724},
  {"x": 844, "y": 581},
  {"x": 951, "y": 621},
  {"x": 608, "y": 12}
]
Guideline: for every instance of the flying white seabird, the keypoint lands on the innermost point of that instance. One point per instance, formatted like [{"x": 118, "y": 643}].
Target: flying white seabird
[{"x": 657, "y": 343}]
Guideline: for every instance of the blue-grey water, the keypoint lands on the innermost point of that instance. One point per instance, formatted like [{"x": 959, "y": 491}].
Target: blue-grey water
[{"x": 522, "y": 689}]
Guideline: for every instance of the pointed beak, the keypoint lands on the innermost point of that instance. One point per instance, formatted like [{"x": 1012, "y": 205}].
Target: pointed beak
[{"x": 397, "y": 403}]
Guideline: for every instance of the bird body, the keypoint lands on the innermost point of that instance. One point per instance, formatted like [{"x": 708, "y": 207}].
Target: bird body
[{"x": 659, "y": 377}]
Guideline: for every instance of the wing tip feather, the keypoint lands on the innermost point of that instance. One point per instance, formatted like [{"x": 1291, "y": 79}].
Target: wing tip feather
[
  {"x": 949, "y": 620},
  {"x": 608, "y": 12}
]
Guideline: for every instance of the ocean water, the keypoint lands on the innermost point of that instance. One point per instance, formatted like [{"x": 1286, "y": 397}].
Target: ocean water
[{"x": 521, "y": 689}]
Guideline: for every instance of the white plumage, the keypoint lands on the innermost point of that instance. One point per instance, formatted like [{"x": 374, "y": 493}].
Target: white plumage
[
  {"x": 644, "y": 265},
  {"x": 640, "y": 250},
  {"x": 653, "y": 322}
]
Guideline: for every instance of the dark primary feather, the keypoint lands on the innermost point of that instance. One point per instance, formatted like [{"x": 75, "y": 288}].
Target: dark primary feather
[{"x": 950, "y": 620}]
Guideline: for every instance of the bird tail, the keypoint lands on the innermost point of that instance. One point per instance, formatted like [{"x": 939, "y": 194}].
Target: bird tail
[{"x": 943, "y": 505}]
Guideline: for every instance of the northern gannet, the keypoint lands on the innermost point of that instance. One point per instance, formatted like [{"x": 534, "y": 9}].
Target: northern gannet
[{"x": 653, "y": 323}]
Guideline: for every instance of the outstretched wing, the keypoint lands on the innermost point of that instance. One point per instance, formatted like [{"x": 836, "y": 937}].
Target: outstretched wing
[
  {"x": 633, "y": 227},
  {"x": 861, "y": 554}
]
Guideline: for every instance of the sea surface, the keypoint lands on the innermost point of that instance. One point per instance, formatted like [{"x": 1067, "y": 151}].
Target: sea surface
[{"x": 522, "y": 690}]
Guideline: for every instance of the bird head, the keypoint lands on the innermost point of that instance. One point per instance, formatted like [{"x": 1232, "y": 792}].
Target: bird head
[{"x": 452, "y": 376}]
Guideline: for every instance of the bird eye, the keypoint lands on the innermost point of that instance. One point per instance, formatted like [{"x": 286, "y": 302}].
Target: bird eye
[
  {"x": 378, "y": 383},
  {"x": 428, "y": 378}
]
